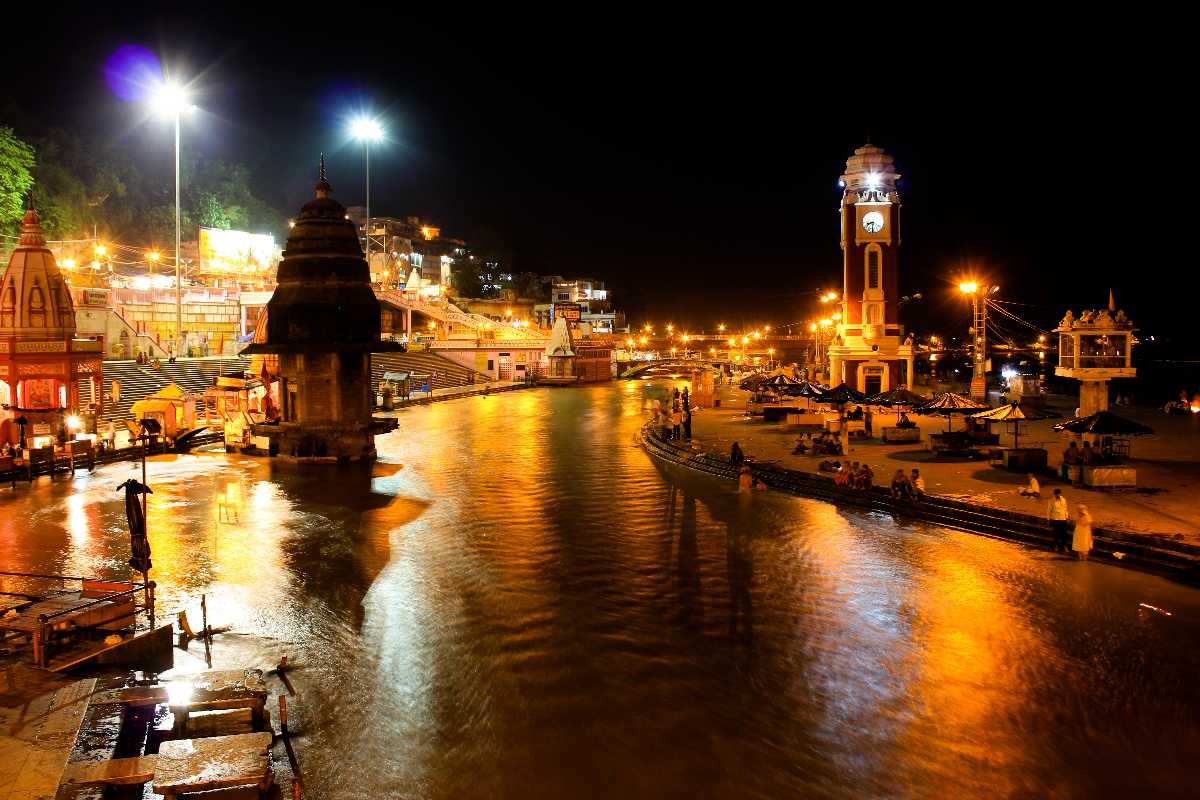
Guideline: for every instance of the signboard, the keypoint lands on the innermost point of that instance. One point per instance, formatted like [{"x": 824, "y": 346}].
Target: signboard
[
  {"x": 41, "y": 429},
  {"x": 571, "y": 311},
  {"x": 236, "y": 252},
  {"x": 95, "y": 297}
]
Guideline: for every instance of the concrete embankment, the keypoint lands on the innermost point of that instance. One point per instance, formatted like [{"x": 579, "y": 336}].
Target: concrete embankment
[{"x": 1176, "y": 560}]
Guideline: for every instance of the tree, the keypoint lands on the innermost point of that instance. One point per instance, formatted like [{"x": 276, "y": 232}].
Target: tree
[{"x": 16, "y": 161}]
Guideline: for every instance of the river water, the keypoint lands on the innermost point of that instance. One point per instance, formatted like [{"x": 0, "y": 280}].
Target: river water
[{"x": 516, "y": 602}]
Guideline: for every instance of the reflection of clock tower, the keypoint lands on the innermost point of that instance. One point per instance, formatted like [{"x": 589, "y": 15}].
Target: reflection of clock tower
[{"x": 868, "y": 352}]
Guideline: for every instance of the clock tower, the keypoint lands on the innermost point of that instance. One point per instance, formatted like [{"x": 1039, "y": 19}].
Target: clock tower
[{"x": 869, "y": 351}]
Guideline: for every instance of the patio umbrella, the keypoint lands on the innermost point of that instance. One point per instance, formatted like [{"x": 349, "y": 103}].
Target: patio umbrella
[
  {"x": 139, "y": 545},
  {"x": 1104, "y": 423},
  {"x": 804, "y": 389},
  {"x": 841, "y": 394},
  {"x": 897, "y": 398},
  {"x": 1014, "y": 413},
  {"x": 949, "y": 404},
  {"x": 780, "y": 380}
]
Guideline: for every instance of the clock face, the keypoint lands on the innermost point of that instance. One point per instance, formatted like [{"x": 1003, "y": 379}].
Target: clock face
[{"x": 872, "y": 222}]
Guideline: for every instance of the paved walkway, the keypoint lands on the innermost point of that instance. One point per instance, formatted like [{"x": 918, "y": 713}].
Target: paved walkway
[
  {"x": 1168, "y": 465},
  {"x": 40, "y": 714}
]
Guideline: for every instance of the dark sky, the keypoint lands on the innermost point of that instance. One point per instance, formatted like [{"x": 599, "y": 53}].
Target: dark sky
[{"x": 690, "y": 161}]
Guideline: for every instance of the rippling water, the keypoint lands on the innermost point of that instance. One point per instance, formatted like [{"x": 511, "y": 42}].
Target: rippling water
[{"x": 515, "y": 602}]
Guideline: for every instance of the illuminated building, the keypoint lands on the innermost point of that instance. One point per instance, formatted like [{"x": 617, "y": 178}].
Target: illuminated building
[
  {"x": 41, "y": 361},
  {"x": 869, "y": 351},
  {"x": 322, "y": 323}
]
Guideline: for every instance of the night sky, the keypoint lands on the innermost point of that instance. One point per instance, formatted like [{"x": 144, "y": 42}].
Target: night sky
[{"x": 689, "y": 161}]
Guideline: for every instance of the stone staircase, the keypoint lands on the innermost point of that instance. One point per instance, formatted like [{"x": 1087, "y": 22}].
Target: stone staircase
[
  {"x": 449, "y": 373},
  {"x": 138, "y": 381}
]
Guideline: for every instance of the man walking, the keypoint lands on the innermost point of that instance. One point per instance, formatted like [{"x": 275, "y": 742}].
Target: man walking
[{"x": 1059, "y": 513}]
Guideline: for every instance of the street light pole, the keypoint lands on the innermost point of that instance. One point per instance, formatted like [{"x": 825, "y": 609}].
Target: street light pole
[
  {"x": 178, "y": 272},
  {"x": 367, "y": 159},
  {"x": 367, "y": 130}
]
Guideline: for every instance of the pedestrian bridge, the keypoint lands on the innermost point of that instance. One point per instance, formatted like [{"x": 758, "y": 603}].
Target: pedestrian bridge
[
  {"x": 643, "y": 368},
  {"x": 452, "y": 318}
]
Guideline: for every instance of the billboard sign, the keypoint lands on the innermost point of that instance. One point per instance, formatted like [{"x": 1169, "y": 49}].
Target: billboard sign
[{"x": 236, "y": 252}]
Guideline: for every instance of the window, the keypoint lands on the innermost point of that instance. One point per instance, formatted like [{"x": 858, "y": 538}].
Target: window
[{"x": 873, "y": 268}]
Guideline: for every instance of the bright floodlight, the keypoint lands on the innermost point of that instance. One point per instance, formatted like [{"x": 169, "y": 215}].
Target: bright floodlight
[
  {"x": 969, "y": 287},
  {"x": 171, "y": 99},
  {"x": 366, "y": 128},
  {"x": 872, "y": 180}
]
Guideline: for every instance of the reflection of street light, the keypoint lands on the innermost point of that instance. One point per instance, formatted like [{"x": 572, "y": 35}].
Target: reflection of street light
[
  {"x": 367, "y": 130},
  {"x": 171, "y": 100}
]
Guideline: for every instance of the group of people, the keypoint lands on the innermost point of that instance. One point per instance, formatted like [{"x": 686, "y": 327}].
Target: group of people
[
  {"x": 1076, "y": 456},
  {"x": 854, "y": 476},
  {"x": 675, "y": 415},
  {"x": 907, "y": 487},
  {"x": 146, "y": 361},
  {"x": 1080, "y": 540},
  {"x": 824, "y": 444}
]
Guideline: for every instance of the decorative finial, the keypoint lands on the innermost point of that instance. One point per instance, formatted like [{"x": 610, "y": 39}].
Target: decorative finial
[
  {"x": 323, "y": 189},
  {"x": 1112, "y": 301},
  {"x": 31, "y": 226}
]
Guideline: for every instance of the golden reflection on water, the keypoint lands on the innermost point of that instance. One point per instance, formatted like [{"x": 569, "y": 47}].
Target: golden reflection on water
[{"x": 514, "y": 601}]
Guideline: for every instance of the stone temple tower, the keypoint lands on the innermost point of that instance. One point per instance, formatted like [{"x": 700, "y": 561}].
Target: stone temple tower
[{"x": 323, "y": 324}]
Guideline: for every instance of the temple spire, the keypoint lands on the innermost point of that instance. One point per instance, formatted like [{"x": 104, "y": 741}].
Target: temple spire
[
  {"x": 32, "y": 234},
  {"x": 323, "y": 189}
]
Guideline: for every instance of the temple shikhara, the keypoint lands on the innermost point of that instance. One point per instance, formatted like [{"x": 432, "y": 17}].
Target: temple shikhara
[
  {"x": 42, "y": 363},
  {"x": 320, "y": 328}
]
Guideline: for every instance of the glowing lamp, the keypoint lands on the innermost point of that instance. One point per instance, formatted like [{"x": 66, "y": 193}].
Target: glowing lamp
[
  {"x": 968, "y": 287},
  {"x": 171, "y": 99},
  {"x": 74, "y": 423},
  {"x": 367, "y": 129}
]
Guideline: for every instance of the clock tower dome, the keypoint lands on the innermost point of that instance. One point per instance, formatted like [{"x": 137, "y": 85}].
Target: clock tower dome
[{"x": 869, "y": 351}]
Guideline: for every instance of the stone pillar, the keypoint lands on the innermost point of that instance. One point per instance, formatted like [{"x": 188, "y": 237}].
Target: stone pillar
[
  {"x": 1093, "y": 397},
  {"x": 908, "y": 374}
]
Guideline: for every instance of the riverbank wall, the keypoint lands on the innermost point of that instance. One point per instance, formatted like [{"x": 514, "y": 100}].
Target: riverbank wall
[{"x": 1176, "y": 560}]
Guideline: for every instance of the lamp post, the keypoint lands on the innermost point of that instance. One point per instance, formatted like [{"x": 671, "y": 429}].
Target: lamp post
[
  {"x": 171, "y": 99},
  {"x": 979, "y": 297},
  {"x": 367, "y": 130}
]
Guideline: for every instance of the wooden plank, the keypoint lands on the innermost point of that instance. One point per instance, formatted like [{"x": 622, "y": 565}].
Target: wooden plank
[
  {"x": 195, "y": 765},
  {"x": 133, "y": 696},
  {"x": 118, "y": 771}
]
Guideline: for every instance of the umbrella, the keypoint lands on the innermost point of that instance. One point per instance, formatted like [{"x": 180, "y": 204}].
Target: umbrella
[
  {"x": 949, "y": 403},
  {"x": 841, "y": 394},
  {"x": 1104, "y": 423},
  {"x": 900, "y": 396},
  {"x": 139, "y": 545},
  {"x": 897, "y": 398},
  {"x": 804, "y": 389},
  {"x": 780, "y": 380},
  {"x": 1014, "y": 413}
]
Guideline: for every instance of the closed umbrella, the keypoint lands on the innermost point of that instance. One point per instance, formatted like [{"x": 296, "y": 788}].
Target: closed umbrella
[
  {"x": 949, "y": 404},
  {"x": 139, "y": 545},
  {"x": 1016, "y": 413}
]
